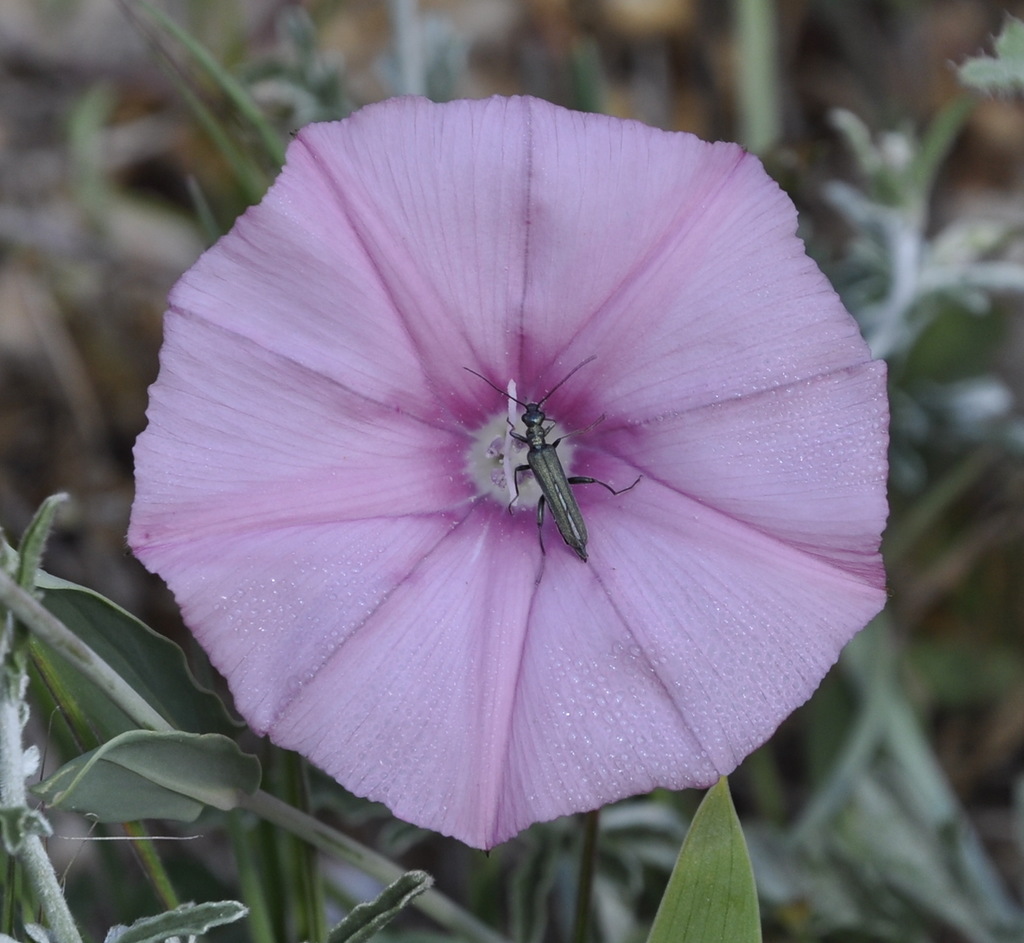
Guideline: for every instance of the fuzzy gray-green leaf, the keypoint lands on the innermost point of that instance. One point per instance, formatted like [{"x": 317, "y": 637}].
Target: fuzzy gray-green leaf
[
  {"x": 366, "y": 919},
  {"x": 188, "y": 920},
  {"x": 146, "y": 774}
]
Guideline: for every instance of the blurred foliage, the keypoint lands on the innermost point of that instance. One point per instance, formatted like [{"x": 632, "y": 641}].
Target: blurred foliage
[
  {"x": 892, "y": 806},
  {"x": 1002, "y": 73}
]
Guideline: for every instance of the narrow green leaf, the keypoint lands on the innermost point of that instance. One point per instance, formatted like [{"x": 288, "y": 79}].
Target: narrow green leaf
[
  {"x": 255, "y": 865},
  {"x": 204, "y": 213},
  {"x": 711, "y": 896},
  {"x": 146, "y": 774},
  {"x": 33, "y": 542},
  {"x": 251, "y": 179},
  {"x": 366, "y": 919},
  {"x": 149, "y": 663},
  {"x": 228, "y": 84},
  {"x": 89, "y": 170},
  {"x": 188, "y": 920},
  {"x": 938, "y": 141}
]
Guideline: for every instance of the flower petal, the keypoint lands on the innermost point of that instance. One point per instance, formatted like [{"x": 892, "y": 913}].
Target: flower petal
[
  {"x": 434, "y": 197},
  {"x": 670, "y": 658},
  {"x": 588, "y": 242},
  {"x": 703, "y": 294},
  {"x": 804, "y": 463},
  {"x": 249, "y": 440},
  {"x": 273, "y": 608},
  {"x": 405, "y": 692},
  {"x": 296, "y": 260}
]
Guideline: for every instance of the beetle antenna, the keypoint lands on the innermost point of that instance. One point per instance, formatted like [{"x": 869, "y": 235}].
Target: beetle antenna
[
  {"x": 494, "y": 386},
  {"x": 566, "y": 377}
]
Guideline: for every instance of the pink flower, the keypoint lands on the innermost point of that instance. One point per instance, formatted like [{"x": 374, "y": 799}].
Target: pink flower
[{"x": 322, "y": 482}]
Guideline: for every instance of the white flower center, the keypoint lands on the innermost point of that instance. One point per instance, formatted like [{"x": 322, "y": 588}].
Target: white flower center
[{"x": 495, "y": 455}]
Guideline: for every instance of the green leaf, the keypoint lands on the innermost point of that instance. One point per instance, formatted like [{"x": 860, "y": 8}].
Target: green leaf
[
  {"x": 711, "y": 897},
  {"x": 34, "y": 539},
  {"x": 149, "y": 663},
  {"x": 938, "y": 140},
  {"x": 186, "y": 921},
  {"x": 40, "y": 934},
  {"x": 227, "y": 83},
  {"x": 366, "y": 919},
  {"x": 146, "y": 774},
  {"x": 1005, "y": 71}
]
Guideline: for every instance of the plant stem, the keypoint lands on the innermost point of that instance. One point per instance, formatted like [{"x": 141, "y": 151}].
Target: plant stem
[
  {"x": 407, "y": 30},
  {"x": 260, "y": 921},
  {"x": 150, "y": 863},
  {"x": 758, "y": 105},
  {"x": 47, "y": 627},
  {"x": 585, "y": 890},
  {"x": 303, "y": 866},
  {"x": 29, "y": 850},
  {"x": 433, "y": 903}
]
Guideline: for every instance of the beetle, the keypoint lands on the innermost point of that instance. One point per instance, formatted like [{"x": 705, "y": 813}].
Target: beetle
[{"x": 542, "y": 459}]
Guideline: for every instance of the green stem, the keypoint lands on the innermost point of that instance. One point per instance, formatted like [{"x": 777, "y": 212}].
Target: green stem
[
  {"x": 304, "y": 871},
  {"x": 407, "y": 30},
  {"x": 768, "y": 790},
  {"x": 585, "y": 890},
  {"x": 30, "y": 852},
  {"x": 433, "y": 903},
  {"x": 758, "y": 105},
  {"x": 144, "y": 850},
  {"x": 261, "y": 923},
  {"x": 48, "y": 628}
]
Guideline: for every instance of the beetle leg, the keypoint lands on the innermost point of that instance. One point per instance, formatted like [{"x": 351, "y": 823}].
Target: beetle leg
[
  {"x": 515, "y": 484},
  {"x": 581, "y": 480},
  {"x": 599, "y": 419},
  {"x": 540, "y": 523}
]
